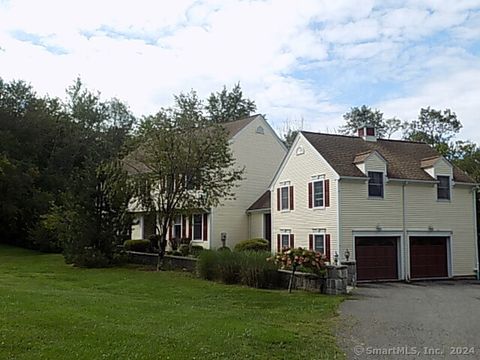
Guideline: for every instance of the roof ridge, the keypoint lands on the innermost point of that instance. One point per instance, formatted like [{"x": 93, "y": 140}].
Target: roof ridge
[{"x": 357, "y": 137}]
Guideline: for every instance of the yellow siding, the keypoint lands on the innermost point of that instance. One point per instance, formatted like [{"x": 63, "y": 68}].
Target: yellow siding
[
  {"x": 442, "y": 167},
  {"x": 456, "y": 216},
  {"x": 357, "y": 212},
  {"x": 261, "y": 154},
  {"x": 299, "y": 170},
  {"x": 256, "y": 225},
  {"x": 375, "y": 163}
]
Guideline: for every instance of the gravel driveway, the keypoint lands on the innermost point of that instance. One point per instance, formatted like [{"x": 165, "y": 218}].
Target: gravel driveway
[{"x": 422, "y": 320}]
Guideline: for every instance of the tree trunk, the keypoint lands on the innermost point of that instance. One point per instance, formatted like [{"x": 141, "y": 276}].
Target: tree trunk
[
  {"x": 162, "y": 244},
  {"x": 292, "y": 279}
]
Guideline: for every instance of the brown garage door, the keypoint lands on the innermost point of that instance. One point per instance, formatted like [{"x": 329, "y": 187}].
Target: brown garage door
[
  {"x": 428, "y": 257},
  {"x": 376, "y": 258}
]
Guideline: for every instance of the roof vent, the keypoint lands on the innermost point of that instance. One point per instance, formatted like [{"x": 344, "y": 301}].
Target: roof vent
[{"x": 367, "y": 133}]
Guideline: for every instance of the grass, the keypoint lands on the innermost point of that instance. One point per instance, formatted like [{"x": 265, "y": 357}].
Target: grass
[{"x": 50, "y": 310}]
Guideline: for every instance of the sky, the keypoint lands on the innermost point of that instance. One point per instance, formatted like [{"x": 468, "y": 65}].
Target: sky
[{"x": 302, "y": 61}]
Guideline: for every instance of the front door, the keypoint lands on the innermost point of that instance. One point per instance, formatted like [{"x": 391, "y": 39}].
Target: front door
[{"x": 267, "y": 226}]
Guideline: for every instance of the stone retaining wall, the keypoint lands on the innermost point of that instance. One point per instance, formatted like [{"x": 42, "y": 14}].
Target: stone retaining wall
[
  {"x": 336, "y": 281},
  {"x": 170, "y": 262}
]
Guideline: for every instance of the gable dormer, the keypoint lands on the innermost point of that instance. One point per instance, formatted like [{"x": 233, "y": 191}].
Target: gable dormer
[
  {"x": 371, "y": 160},
  {"x": 437, "y": 166}
]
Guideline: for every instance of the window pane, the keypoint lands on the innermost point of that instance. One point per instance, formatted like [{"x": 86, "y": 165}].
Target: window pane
[
  {"x": 443, "y": 187},
  {"x": 284, "y": 198},
  {"x": 375, "y": 184},
  {"x": 285, "y": 240},
  {"x": 318, "y": 193},
  {"x": 197, "y": 227},
  {"x": 319, "y": 244}
]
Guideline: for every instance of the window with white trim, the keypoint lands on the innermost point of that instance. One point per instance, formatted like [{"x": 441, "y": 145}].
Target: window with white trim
[
  {"x": 177, "y": 228},
  {"x": 284, "y": 198},
  {"x": 318, "y": 194},
  {"x": 443, "y": 187},
  {"x": 285, "y": 240},
  {"x": 375, "y": 184},
  {"x": 319, "y": 243},
  {"x": 197, "y": 227}
]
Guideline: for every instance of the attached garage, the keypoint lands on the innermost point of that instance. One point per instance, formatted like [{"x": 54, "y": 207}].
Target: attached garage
[
  {"x": 377, "y": 258},
  {"x": 428, "y": 257}
]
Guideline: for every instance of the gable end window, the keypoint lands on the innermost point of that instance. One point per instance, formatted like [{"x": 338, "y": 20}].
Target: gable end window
[
  {"x": 318, "y": 194},
  {"x": 443, "y": 188},
  {"x": 285, "y": 198},
  {"x": 375, "y": 184}
]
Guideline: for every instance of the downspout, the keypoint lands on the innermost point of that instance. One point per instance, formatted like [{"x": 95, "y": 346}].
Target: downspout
[
  {"x": 406, "y": 245},
  {"x": 475, "y": 228}
]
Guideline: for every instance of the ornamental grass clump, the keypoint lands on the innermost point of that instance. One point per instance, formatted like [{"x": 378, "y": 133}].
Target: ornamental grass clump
[{"x": 248, "y": 268}]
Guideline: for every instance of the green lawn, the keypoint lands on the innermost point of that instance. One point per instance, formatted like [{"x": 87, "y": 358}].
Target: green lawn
[{"x": 49, "y": 310}]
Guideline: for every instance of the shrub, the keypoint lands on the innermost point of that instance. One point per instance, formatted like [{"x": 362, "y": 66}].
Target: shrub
[
  {"x": 253, "y": 245},
  {"x": 224, "y": 248},
  {"x": 301, "y": 259},
  {"x": 154, "y": 238},
  {"x": 207, "y": 264},
  {"x": 184, "y": 249},
  {"x": 195, "y": 250},
  {"x": 138, "y": 245},
  {"x": 176, "y": 253},
  {"x": 91, "y": 258}
]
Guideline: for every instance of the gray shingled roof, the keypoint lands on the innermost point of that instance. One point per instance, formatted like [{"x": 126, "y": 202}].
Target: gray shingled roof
[
  {"x": 262, "y": 203},
  {"x": 404, "y": 158},
  {"x": 234, "y": 127},
  {"x": 133, "y": 166}
]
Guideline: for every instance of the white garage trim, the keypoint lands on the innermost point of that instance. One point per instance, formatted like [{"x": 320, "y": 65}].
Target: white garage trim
[
  {"x": 385, "y": 233},
  {"x": 427, "y": 233}
]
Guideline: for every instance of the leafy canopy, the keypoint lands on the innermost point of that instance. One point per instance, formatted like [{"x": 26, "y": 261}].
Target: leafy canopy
[{"x": 183, "y": 164}]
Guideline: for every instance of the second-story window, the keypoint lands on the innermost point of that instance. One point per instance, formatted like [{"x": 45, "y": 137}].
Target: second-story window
[
  {"x": 443, "y": 188},
  {"x": 375, "y": 184},
  {"x": 318, "y": 194},
  {"x": 284, "y": 198}
]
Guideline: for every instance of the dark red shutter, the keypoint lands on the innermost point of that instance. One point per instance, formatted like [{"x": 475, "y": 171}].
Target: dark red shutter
[
  {"x": 291, "y": 198},
  {"x": 327, "y": 193},
  {"x": 278, "y": 243},
  {"x": 184, "y": 227},
  {"x": 292, "y": 241},
  {"x": 170, "y": 231},
  {"x": 205, "y": 227},
  {"x": 327, "y": 246},
  {"x": 310, "y": 203},
  {"x": 278, "y": 199},
  {"x": 310, "y": 242}
]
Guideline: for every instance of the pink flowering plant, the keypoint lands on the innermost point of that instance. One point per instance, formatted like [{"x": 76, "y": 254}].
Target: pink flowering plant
[{"x": 298, "y": 259}]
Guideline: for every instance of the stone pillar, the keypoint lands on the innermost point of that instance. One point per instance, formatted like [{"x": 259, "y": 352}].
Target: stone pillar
[
  {"x": 336, "y": 280},
  {"x": 352, "y": 272}
]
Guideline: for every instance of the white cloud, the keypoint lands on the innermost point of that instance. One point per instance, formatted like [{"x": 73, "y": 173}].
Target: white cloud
[{"x": 284, "y": 53}]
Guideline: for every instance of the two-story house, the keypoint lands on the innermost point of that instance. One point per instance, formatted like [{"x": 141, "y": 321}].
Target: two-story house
[
  {"x": 398, "y": 207},
  {"x": 257, "y": 148}
]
